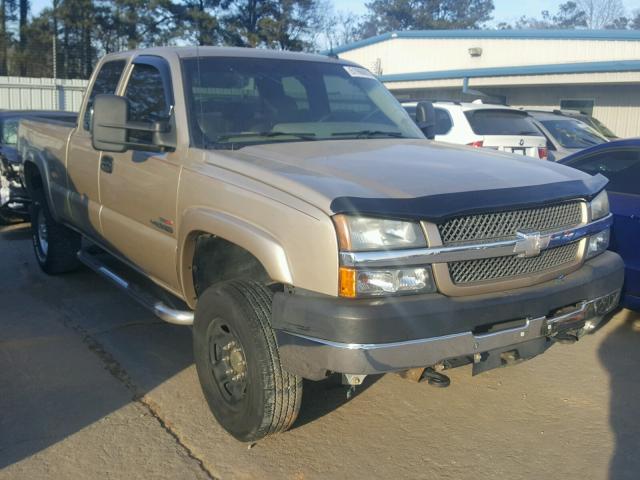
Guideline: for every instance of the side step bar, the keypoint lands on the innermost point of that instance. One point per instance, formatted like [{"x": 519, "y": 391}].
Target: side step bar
[{"x": 159, "y": 308}]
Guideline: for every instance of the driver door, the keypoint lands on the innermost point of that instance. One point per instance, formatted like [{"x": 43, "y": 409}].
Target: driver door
[{"x": 138, "y": 189}]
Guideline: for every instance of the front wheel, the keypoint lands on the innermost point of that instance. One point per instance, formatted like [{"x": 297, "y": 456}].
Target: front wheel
[
  {"x": 238, "y": 364},
  {"x": 56, "y": 246}
]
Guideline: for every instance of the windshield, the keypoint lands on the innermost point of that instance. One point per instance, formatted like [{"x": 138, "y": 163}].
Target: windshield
[
  {"x": 501, "y": 122},
  {"x": 604, "y": 130},
  {"x": 234, "y": 102},
  {"x": 573, "y": 133}
]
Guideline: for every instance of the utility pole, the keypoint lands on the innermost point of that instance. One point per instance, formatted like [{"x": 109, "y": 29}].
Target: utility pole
[{"x": 55, "y": 57}]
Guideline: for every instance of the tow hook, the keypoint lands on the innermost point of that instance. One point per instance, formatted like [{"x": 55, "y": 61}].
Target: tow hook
[
  {"x": 430, "y": 374},
  {"x": 435, "y": 379}
]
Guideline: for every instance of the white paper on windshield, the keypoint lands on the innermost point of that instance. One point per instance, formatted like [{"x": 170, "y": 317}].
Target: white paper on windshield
[{"x": 358, "y": 72}]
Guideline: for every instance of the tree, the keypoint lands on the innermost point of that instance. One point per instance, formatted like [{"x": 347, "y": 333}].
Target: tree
[
  {"x": 283, "y": 24},
  {"x": 601, "y": 13},
  {"x": 24, "y": 13},
  {"x": 569, "y": 15},
  {"x": 292, "y": 24},
  {"x": 340, "y": 28},
  {"x": 7, "y": 15},
  {"x": 198, "y": 20},
  {"x": 389, "y": 15}
]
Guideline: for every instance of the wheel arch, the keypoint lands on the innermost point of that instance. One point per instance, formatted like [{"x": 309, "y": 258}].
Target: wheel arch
[
  {"x": 37, "y": 178},
  {"x": 256, "y": 242}
]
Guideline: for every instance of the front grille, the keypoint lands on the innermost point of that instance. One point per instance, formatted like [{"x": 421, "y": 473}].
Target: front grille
[
  {"x": 498, "y": 268},
  {"x": 504, "y": 225}
]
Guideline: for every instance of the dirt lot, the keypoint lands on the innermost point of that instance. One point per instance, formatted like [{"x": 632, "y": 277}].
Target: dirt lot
[{"x": 92, "y": 385}]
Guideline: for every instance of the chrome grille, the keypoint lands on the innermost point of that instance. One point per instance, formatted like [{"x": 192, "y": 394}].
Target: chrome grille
[
  {"x": 503, "y": 225},
  {"x": 512, "y": 266}
]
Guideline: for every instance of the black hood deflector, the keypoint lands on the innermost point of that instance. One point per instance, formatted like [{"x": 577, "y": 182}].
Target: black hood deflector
[{"x": 438, "y": 208}]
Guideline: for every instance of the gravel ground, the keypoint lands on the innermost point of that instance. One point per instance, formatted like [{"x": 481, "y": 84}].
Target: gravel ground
[{"x": 93, "y": 386}]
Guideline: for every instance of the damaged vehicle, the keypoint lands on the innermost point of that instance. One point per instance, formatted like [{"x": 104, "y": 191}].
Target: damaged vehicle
[
  {"x": 287, "y": 207},
  {"x": 14, "y": 201}
]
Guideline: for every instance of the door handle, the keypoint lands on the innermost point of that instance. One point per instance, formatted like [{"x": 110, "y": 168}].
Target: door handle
[{"x": 106, "y": 164}]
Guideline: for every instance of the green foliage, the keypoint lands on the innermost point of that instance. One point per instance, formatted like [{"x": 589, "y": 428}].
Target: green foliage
[
  {"x": 83, "y": 30},
  {"x": 389, "y": 15}
]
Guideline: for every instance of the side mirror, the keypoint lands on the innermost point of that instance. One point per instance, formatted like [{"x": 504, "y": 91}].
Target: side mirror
[
  {"x": 109, "y": 123},
  {"x": 111, "y": 128},
  {"x": 426, "y": 119}
]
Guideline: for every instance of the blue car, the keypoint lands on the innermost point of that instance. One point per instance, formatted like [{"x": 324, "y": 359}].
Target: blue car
[{"x": 619, "y": 161}]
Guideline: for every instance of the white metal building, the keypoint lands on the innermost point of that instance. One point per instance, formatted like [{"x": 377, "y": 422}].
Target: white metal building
[{"x": 596, "y": 71}]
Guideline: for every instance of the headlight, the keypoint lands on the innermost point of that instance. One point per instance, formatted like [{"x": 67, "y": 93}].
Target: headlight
[
  {"x": 598, "y": 243},
  {"x": 357, "y": 234},
  {"x": 385, "y": 281},
  {"x": 599, "y": 206}
]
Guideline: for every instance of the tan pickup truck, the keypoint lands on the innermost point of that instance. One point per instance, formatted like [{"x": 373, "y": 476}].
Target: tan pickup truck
[{"x": 289, "y": 208}]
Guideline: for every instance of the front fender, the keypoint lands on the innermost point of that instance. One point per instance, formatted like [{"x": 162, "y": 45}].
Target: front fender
[{"x": 260, "y": 243}]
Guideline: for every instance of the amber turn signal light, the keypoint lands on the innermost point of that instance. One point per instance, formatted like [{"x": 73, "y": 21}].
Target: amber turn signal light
[{"x": 347, "y": 286}]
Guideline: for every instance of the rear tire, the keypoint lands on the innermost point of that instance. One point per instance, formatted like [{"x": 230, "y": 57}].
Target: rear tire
[
  {"x": 238, "y": 363},
  {"x": 56, "y": 246}
]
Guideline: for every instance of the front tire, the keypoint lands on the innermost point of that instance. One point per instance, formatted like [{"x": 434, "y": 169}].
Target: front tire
[
  {"x": 56, "y": 246},
  {"x": 238, "y": 363}
]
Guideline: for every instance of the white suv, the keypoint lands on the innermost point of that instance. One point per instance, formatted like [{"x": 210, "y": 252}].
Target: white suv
[{"x": 485, "y": 125}]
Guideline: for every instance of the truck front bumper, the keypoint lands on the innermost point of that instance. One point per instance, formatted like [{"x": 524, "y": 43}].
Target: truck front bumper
[{"x": 317, "y": 335}]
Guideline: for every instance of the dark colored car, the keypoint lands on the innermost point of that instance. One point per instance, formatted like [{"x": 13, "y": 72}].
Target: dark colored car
[
  {"x": 14, "y": 201},
  {"x": 619, "y": 161}
]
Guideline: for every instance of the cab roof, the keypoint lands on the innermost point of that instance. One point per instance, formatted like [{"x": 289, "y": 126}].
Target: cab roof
[{"x": 192, "y": 52}]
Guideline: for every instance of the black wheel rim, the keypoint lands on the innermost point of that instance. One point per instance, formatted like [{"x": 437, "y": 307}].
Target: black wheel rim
[{"x": 228, "y": 362}]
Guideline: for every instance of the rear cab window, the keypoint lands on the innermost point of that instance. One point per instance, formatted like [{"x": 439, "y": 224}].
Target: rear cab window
[
  {"x": 501, "y": 122},
  {"x": 106, "y": 83}
]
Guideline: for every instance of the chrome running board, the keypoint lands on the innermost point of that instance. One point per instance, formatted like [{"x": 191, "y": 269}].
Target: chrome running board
[{"x": 142, "y": 296}]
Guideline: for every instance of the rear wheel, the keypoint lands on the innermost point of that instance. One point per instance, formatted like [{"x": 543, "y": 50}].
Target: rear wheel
[
  {"x": 56, "y": 246},
  {"x": 238, "y": 364}
]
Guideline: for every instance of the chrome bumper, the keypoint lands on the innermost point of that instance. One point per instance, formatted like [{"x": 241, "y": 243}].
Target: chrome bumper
[{"x": 301, "y": 354}]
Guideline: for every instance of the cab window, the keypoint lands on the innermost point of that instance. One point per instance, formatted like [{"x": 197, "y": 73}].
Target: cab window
[
  {"x": 106, "y": 83},
  {"x": 147, "y": 100}
]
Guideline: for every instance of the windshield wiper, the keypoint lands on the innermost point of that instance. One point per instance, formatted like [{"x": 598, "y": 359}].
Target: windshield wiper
[
  {"x": 369, "y": 134},
  {"x": 302, "y": 135}
]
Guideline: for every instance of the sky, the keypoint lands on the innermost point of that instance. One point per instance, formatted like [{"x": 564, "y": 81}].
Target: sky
[{"x": 505, "y": 11}]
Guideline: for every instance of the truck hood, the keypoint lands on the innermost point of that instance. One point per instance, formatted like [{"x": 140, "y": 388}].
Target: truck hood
[{"x": 406, "y": 177}]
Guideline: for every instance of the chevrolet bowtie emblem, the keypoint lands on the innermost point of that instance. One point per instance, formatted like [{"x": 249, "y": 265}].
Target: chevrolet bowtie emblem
[{"x": 530, "y": 244}]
